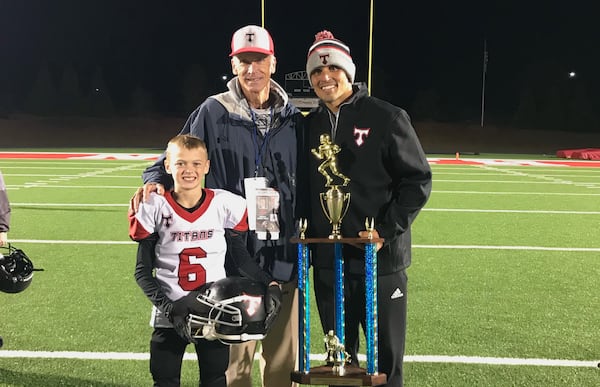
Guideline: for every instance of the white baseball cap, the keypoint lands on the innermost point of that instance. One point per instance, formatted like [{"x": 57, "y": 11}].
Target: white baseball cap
[{"x": 252, "y": 39}]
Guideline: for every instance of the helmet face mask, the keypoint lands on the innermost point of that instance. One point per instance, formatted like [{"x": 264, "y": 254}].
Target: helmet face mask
[
  {"x": 231, "y": 310},
  {"x": 16, "y": 270}
]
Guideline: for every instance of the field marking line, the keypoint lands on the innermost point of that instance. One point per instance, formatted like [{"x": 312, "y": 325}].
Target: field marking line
[
  {"x": 486, "y": 247},
  {"x": 72, "y": 242},
  {"x": 501, "y": 361},
  {"x": 67, "y": 176},
  {"x": 513, "y": 162},
  {"x": 589, "y": 173},
  {"x": 516, "y": 193},
  {"x": 496, "y": 181},
  {"x": 315, "y": 357},
  {"x": 48, "y": 183},
  {"x": 512, "y": 211},
  {"x": 37, "y": 168},
  {"x": 545, "y": 178},
  {"x": 424, "y": 209},
  {"x": 416, "y": 246},
  {"x": 69, "y": 205}
]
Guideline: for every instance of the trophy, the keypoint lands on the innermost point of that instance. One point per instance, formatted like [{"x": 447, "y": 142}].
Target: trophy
[
  {"x": 334, "y": 201},
  {"x": 338, "y": 370}
]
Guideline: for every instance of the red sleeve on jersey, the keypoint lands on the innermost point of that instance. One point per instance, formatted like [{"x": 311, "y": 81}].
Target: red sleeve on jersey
[
  {"x": 243, "y": 224},
  {"x": 137, "y": 232}
]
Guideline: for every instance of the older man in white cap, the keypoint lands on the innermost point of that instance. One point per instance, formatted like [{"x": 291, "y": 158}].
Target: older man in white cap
[{"x": 251, "y": 132}]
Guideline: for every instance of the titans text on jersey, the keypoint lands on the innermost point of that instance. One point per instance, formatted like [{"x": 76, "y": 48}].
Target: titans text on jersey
[{"x": 191, "y": 236}]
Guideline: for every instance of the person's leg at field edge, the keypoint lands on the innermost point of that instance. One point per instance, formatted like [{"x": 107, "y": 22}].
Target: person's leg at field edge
[
  {"x": 166, "y": 354},
  {"x": 279, "y": 350},
  {"x": 213, "y": 358},
  {"x": 241, "y": 360},
  {"x": 392, "y": 292},
  {"x": 354, "y": 312}
]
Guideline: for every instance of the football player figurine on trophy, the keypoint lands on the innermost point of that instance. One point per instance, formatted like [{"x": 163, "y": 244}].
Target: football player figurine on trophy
[
  {"x": 336, "y": 354},
  {"x": 334, "y": 202}
]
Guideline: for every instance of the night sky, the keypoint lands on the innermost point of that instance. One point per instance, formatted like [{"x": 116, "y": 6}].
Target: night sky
[{"x": 419, "y": 47}]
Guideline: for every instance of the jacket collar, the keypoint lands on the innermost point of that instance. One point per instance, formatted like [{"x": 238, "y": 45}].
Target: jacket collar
[{"x": 234, "y": 101}]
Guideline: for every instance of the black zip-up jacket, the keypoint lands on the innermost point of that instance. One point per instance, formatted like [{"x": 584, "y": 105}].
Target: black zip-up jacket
[
  {"x": 225, "y": 123},
  {"x": 390, "y": 178}
]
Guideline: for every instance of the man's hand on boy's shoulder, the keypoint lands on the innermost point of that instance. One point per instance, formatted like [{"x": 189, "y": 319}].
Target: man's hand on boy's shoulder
[{"x": 142, "y": 194}]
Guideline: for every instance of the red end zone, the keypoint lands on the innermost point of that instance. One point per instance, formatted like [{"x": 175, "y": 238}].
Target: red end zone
[
  {"x": 78, "y": 156},
  {"x": 432, "y": 160},
  {"x": 514, "y": 162}
]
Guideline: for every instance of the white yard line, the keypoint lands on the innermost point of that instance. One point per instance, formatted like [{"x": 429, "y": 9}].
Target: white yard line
[
  {"x": 496, "y": 181},
  {"x": 50, "y": 183},
  {"x": 486, "y": 247},
  {"x": 84, "y": 168},
  {"x": 501, "y": 361},
  {"x": 483, "y": 210},
  {"x": 315, "y": 357},
  {"x": 69, "y": 204},
  {"x": 516, "y": 193},
  {"x": 416, "y": 246},
  {"x": 519, "y": 173},
  {"x": 512, "y": 211},
  {"x": 68, "y": 176},
  {"x": 71, "y": 242}
]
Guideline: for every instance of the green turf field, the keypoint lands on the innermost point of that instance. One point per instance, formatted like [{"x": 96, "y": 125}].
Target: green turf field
[{"x": 503, "y": 290}]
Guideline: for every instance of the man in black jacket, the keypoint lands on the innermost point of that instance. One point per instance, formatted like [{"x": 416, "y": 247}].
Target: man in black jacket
[{"x": 390, "y": 181}]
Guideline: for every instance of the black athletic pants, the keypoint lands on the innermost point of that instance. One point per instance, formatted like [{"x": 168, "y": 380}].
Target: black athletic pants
[
  {"x": 391, "y": 300},
  {"x": 166, "y": 354}
]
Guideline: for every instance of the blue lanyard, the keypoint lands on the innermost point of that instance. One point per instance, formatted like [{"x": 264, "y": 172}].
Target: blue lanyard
[{"x": 258, "y": 150}]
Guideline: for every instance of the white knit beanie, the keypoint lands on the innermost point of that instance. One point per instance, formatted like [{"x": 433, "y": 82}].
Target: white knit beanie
[{"x": 326, "y": 51}]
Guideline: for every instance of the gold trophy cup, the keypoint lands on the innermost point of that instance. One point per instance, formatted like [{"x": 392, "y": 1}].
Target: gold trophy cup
[
  {"x": 334, "y": 201},
  {"x": 335, "y": 205}
]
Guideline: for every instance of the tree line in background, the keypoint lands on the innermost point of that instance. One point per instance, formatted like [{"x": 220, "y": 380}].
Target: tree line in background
[
  {"x": 542, "y": 102},
  {"x": 545, "y": 96},
  {"x": 63, "y": 91}
]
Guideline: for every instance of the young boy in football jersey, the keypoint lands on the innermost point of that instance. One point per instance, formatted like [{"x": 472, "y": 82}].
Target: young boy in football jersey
[{"x": 183, "y": 237}]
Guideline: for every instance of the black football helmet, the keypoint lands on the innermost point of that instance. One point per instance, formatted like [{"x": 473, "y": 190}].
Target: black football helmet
[
  {"x": 231, "y": 310},
  {"x": 16, "y": 270}
]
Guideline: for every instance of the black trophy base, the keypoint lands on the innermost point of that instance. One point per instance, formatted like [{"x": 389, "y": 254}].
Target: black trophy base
[{"x": 354, "y": 376}]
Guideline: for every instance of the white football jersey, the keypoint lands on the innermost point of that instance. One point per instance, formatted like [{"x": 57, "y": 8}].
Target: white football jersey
[{"x": 191, "y": 246}]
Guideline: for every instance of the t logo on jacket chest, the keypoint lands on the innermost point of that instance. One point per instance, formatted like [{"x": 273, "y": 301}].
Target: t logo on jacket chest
[{"x": 360, "y": 135}]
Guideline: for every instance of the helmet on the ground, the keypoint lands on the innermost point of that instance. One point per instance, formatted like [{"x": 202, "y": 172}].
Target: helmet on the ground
[
  {"x": 231, "y": 310},
  {"x": 16, "y": 270}
]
